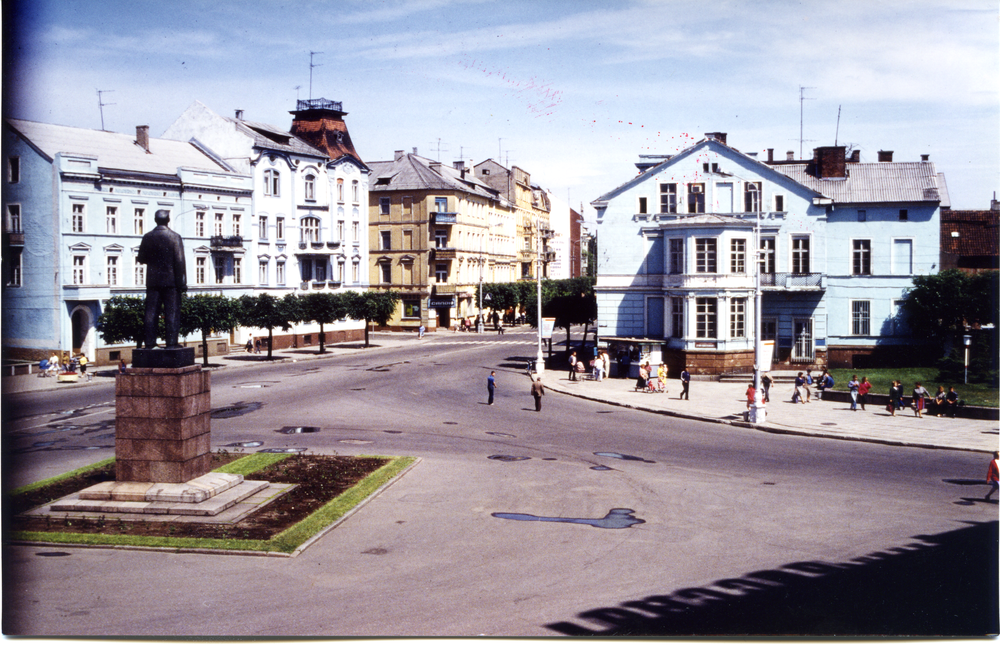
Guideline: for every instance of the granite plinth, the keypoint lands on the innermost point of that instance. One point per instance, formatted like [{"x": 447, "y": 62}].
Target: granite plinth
[
  {"x": 172, "y": 357},
  {"x": 251, "y": 495},
  {"x": 162, "y": 424}
]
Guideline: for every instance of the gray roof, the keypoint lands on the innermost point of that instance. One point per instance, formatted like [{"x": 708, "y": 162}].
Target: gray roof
[
  {"x": 868, "y": 183},
  {"x": 115, "y": 150},
  {"x": 413, "y": 172},
  {"x": 268, "y": 137}
]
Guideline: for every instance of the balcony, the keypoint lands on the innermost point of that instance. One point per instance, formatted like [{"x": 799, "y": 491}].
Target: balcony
[
  {"x": 449, "y": 289},
  {"x": 793, "y": 281},
  {"x": 445, "y": 218},
  {"x": 318, "y": 104},
  {"x": 333, "y": 245},
  {"x": 226, "y": 242},
  {"x": 445, "y": 253},
  {"x": 15, "y": 238}
]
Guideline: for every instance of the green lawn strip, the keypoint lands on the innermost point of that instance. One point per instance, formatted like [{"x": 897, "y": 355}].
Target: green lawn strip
[
  {"x": 881, "y": 378},
  {"x": 52, "y": 480},
  {"x": 284, "y": 542},
  {"x": 251, "y": 463}
]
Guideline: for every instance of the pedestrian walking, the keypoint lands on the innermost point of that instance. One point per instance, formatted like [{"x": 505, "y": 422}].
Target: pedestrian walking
[
  {"x": 491, "y": 386},
  {"x": 863, "y": 388},
  {"x": 807, "y": 384},
  {"x": 420, "y": 330},
  {"x": 854, "y": 386},
  {"x": 249, "y": 346},
  {"x": 572, "y": 366},
  {"x": 256, "y": 346},
  {"x": 751, "y": 395},
  {"x": 895, "y": 397},
  {"x": 765, "y": 380},
  {"x": 605, "y": 364},
  {"x": 798, "y": 392},
  {"x": 685, "y": 382},
  {"x": 951, "y": 401},
  {"x": 919, "y": 394},
  {"x": 992, "y": 475},
  {"x": 537, "y": 391},
  {"x": 83, "y": 367}
]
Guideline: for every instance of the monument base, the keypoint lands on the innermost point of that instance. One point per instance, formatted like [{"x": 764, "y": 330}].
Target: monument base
[{"x": 163, "y": 358}]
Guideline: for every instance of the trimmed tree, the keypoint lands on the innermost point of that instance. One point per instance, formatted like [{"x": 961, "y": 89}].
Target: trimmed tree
[
  {"x": 371, "y": 306},
  {"x": 207, "y": 313},
  {"x": 267, "y": 312},
  {"x": 123, "y": 320},
  {"x": 325, "y": 309}
]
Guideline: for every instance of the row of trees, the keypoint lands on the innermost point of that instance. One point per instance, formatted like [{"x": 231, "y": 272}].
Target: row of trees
[
  {"x": 570, "y": 302},
  {"x": 208, "y": 314}
]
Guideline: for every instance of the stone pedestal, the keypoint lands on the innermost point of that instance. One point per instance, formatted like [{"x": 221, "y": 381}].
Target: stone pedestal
[{"x": 163, "y": 424}]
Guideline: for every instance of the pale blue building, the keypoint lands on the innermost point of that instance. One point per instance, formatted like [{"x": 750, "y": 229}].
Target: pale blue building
[{"x": 837, "y": 242}]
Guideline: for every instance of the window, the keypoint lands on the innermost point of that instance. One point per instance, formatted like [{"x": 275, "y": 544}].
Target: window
[
  {"x": 112, "y": 265},
  {"x": 383, "y": 205},
  {"x": 15, "y": 270},
  {"x": 78, "y": 218},
  {"x": 411, "y": 309},
  {"x": 279, "y": 272},
  {"x": 902, "y": 257},
  {"x": 386, "y": 269},
  {"x": 860, "y": 317},
  {"x": 705, "y": 317},
  {"x": 340, "y": 190},
  {"x": 356, "y": 231},
  {"x": 898, "y": 326},
  {"x": 14, "y": 170},
  {"x": 199, "y": 224},
  {"x": 237, "y": 270},
  {"x": 310, "y": 187},
  {"x": 219, "y": 263},
  {"x": 668, "y": 198},
  {"x": 738, "y": 318},
  {"x": 237, "y": 224},
  {"x": 768, "y": 329},
  {"x": 355, "y": 193},
  {"x": 800, "y": 255},
  {"x": 862, "y": 216},
  {"x": 385, "y": 238},
  {"x": 642, "y": 205},
  {"x": 262, "y": 272},
  {"x": 272, "y": 183},
  {"x": 407, "y": 206},
  {"x": 676, "y": 256},
  {"x": 696, "y": 198},
  {"x": 199, "y": 270},
  {"x": 14, "y": 218},
  {"x": 861, "y": 261},
  {"x": 767, "y": 260},
  {"x": 112, "y": 219},
  {"x": 751, "y": 196},
  {"x": 340, "y": 230},
  {"x": 356, "y": 272},
  {"x": 779, "y": 203},
  {"x": 220, "y": 224},
  {"x": 140, "y": 273},
  {"x": 677, "y": 317},
  {"x": 310, "y": 229},
  {"x": 904, "y": 215},
  {"x": 279, "y": 228},
  {"x": 340, "y": 271},
  {"x": 262, "y": 227},
  {"x": 441, "y": 239},
  {"x": 441, "y": 204},
  {"x": 441, "y": 272},
  {"x": 705, "y": 255},
  {"x": 79, "y": 269},
  {"x": 738, "y": 256},
  {"x": 138, "y": 216}
]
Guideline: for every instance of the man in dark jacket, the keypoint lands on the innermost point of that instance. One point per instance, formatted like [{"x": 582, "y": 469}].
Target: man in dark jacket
[
  {"x": 538, "y": 392},
  {"x": 162, "y": 251}
]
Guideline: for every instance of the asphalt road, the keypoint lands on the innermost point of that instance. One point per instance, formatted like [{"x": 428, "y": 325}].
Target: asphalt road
[{"x": 509, "y": 526}]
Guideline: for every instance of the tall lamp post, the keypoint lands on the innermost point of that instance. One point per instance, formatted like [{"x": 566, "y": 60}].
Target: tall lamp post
[
  {"x": 758, "y": 413},
  {"x": 540, "y": 358}
]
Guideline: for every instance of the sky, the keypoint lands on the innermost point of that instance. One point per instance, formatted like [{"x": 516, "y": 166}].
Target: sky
[{"x": 571, "y": 91}]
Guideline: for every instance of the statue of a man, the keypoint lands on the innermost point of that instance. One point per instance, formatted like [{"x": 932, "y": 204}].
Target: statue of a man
[{"x": 162, "y": 251}]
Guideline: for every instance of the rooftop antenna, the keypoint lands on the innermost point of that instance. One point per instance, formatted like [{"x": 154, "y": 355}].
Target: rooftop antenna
[
  {"x": 101, "y": 104},
  {"x": 802, "y": 99},
  {"x": 836, "y": 137},
  {"x": 311, "y": 65},
  {"x": 499, "y": 150},
  {"x": 297, "y": 88},
  {"x": 439, "y": 148}
]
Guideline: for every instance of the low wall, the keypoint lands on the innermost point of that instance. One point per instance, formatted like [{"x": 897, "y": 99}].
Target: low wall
[{"x": 882, "y": 400}]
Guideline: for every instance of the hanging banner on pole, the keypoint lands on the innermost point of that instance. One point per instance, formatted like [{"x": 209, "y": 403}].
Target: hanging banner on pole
[
  {"x": 766, "y": 355},
  {"x": 548, "y": 326}
]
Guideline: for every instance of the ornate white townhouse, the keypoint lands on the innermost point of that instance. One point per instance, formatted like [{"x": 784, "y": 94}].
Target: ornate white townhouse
[{"x": 836, "y": 241}]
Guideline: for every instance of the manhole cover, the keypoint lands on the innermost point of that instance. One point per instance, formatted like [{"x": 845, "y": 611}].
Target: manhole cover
[
  {"x": 507, "y": 458},
  {"x": 828, "y": 423},
  {"x": 298, "y": 430},
  {"x": 615, "y": 455},
  {"x": 393, "y": 431},
  {"x": 52, "y": 554},
  {"x": 500, "y": 434},
  {"x": 451, "y": 423},
  {"x": 599, "y": 468}
]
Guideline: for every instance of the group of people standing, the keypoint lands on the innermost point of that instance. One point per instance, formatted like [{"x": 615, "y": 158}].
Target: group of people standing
[{"x": 940, "y": 404}]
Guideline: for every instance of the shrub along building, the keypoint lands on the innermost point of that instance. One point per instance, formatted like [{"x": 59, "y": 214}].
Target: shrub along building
[
  {"x": 77, "y": 203},
  {"x": 435, "y": 233},
  {"x": 836, "y": 242}
]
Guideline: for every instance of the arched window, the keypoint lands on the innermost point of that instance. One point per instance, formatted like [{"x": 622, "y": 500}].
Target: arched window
[
  {"x": 310, "y": 229},
  {"x": 340, "y": 190},
  {"x": 354, "y": 191},
  {"x": 311, "y": 187},
  {"x": 272, "y": 182}
]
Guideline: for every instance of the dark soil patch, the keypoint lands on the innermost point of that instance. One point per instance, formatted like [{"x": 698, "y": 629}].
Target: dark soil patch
[{"x": 318, "y": 479}]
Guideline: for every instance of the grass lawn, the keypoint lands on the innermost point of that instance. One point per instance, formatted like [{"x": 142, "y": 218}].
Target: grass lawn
[{"x": 972, "y": 393}]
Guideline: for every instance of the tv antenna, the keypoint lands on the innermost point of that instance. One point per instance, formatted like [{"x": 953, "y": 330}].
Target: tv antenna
[
  {"x": 311, "y": 65},
  {"x": 836, "y": 136},
  {"x": 297, "y": 88},
  {"x": 802, "y": 99},
  {"x": 439, "y": 148},
  {"x": 101, "y": 104}
]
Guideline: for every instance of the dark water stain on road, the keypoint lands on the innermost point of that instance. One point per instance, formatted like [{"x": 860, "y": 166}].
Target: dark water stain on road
[
  {"x": 615, "y": 455},
  {"x": 617, "y": 518}
]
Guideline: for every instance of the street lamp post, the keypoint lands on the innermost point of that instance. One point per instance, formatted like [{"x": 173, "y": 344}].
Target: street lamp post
[
  {"x": 967, "y": 340},
  {"x": 758, "y": 412},
  {"x": 540, "y": 358}
]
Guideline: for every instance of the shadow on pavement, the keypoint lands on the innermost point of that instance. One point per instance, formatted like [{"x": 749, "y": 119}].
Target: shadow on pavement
[{"x": 938, "y": 585}]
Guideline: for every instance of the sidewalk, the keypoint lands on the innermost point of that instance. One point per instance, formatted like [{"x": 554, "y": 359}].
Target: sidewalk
[
  {"x": 710, "y": 401},
  {"x": 726, "y": 402}
]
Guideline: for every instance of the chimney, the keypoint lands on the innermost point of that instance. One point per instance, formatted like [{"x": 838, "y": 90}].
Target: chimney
[
  {"x": 885, "y": 155},
  {"x": 459, "y": 165},
  {"x": 142, "y": 136},
  {"x": 830, "y": 162},
  {"x": 399, "y": 154},
  {"x": 770, "y": 155},
  {"x": 718, "y": 136},
  {"x": 435, "y": 166},
  {"x": 414, "y": 149},
  {"x": 790, "y": 155},
  {"x": 925, "y": 157},
  {"x": 855, "y": 156},
  {"x": 239, "y": 115}
]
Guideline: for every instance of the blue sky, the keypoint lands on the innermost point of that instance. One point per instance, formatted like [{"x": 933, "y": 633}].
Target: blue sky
[{"x": 571, "y": 91}]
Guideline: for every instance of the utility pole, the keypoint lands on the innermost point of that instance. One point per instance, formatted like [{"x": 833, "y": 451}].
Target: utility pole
[
  {"x": 311, "y": 65},
  {"x": 101, "y": 104}
]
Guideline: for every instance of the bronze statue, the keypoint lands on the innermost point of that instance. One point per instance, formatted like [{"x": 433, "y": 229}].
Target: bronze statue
[{"x": 162, "y": 251}]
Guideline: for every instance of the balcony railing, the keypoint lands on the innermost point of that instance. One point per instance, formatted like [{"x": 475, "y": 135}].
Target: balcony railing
[
  {"x": 15, "y": 238},
  {"x": 223, "y": 242},
  {"x": 792, "y": 280},
  {"x": 445, "y": 218},
  {"x": 445, "y": 253},
  {"x": 445, "y": 288},
  {"x": 318, "y": 104}
]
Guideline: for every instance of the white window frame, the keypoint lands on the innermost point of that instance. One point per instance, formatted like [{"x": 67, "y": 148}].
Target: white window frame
[
  {"x": 111, "y": 266},
  {"x": 310, "y": 229},
  {"x": 737, "y": 317},
  {"x": 707, "y": 318},
  {"x": 279, "y": 228},
  {"x": 861, "y": 318},
  {"x": 199, "y": 224},
  {"x": 795, "y": 255},
  {"x": 263, "y": 270},
  {"x": 737, "y": 255},
  {"x": 272, "y": 183},
  {"x": 14, "y": 221},
  {"x": 238, "y": 224},
  {"x": 279, "y": 273},
  {"x": 219, "y": 226},
  {"x": 675, "y": 256},
  {"x": 384, "y": 204},
  {"x": 262, "y": 227},
  {"x": 111, "y": 220},
  {"x": 310, "y": 188},
  {"x": 138, "y": 272},
  {"x": 861, "y": 258},
  {"x": 80, "y": 268},
  {"x": 237, "y": 270},
  {"x": 706, "y": 259},
  {"x": 200, "y": 268},
  {"x": 78, "y": 222}
]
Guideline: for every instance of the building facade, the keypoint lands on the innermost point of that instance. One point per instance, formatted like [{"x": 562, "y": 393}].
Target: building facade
[
  {"x": 835, "y": 241},
  {"x": 77, "y": 203}
]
